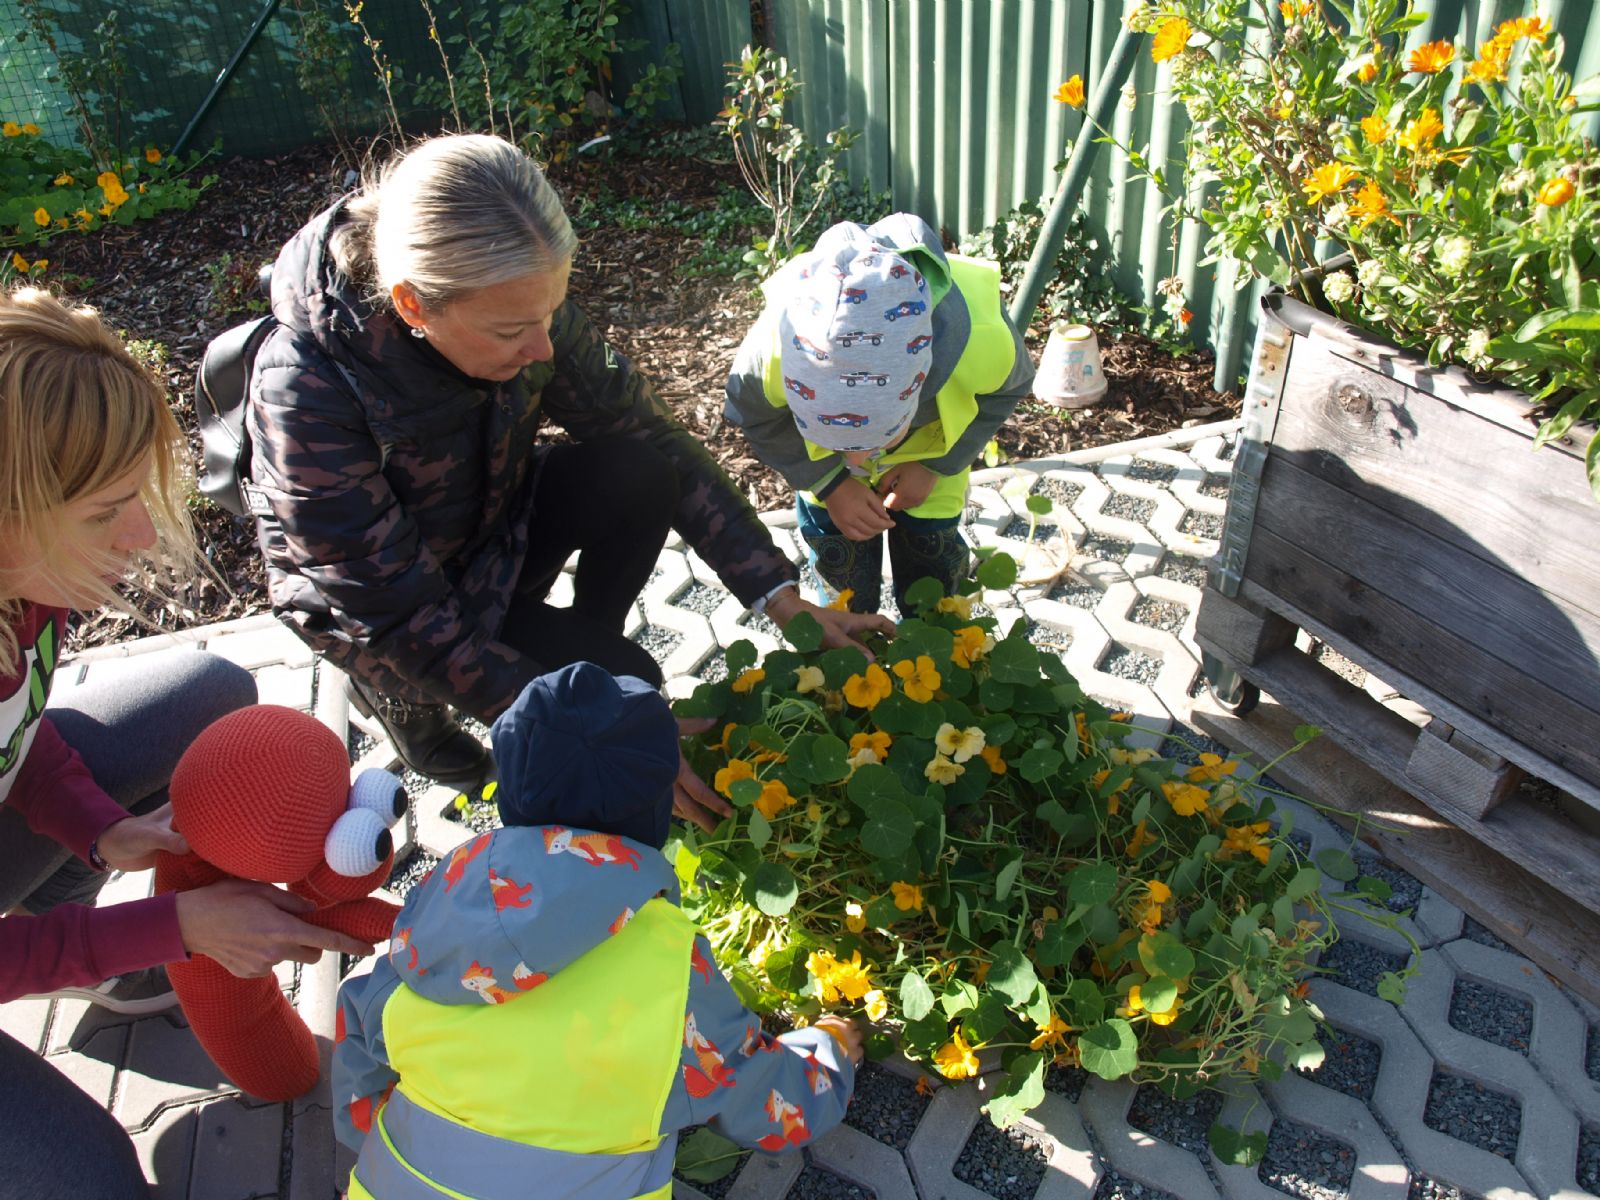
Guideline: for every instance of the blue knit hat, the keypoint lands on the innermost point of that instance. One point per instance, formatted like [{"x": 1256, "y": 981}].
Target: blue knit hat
[{"x": 585, "y": 748}]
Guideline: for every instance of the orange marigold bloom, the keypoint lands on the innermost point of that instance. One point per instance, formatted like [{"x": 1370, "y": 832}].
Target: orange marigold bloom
[
  {"x": 1555, "y": 193},
  {"x": 1533, "y": 28},
  {"x": 1376, "y": 130},
  {"x": 1327, "y": 180},
  {"x": 1170, "y": 39},
  {"x": 1490, "y": 65},
  {"x": 1370, "y": 204},
  {"x": 1431, "y": 58},
  {"x": 1070, "y": 93},
  {"x": 1368, "y": 70},
  {"x": 1418, "y": 134}
]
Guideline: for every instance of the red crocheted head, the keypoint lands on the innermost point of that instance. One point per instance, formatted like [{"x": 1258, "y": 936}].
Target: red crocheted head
[{"x": 256, "y": 793}]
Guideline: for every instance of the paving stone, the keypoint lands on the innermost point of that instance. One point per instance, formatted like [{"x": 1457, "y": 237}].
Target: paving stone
[
  {"x": 288, "y": 686},
  {"x": 94, "y": 1069},
  {"x": 1104, "y": 1107},
  {"x": 238, "y": 1150},
  {"x": 26, "y": 1020},
  {"x": 866, "y": 1162},
  {"x": 258, "y": 645},
  {"x": 165, "y": 1067},
  {"x": 166, "y": 1151},
  {"x": 1378, "y": 1172},
  {"x": 955, "y": 1112},
  {"x": 311, "y": 1154}
]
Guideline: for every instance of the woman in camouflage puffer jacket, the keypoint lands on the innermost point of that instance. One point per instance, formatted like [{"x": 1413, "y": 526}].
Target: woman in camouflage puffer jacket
[{"x": 414, "y": 525}]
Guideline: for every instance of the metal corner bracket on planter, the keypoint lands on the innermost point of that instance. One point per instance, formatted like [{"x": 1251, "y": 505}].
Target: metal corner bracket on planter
[{"x": 1398, "y": 513}]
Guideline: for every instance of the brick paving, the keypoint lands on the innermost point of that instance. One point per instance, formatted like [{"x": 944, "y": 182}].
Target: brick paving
[{"x": 1144, "y": 519}]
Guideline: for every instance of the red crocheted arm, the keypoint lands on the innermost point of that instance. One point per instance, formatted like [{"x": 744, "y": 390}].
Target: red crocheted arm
[{"x": 370, "y": 919}]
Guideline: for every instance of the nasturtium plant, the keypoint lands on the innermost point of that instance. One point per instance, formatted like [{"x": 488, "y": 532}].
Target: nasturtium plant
[{"x": 954, "y": 842}]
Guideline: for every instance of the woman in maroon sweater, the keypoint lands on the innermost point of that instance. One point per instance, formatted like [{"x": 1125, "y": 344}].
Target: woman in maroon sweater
[{"x": 89, "y": 496}]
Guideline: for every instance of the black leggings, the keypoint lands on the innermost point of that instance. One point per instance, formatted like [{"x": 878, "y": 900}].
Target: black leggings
[{"x": 612, "y": 500}]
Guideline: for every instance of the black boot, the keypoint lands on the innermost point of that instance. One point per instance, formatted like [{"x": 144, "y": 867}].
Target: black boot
[{"x": 426, "y": 736}]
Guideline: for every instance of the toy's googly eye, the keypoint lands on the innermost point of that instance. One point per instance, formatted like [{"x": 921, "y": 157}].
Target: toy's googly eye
[
  {"x": 358, "y": 843},
  {"x": 381, "y": 792}
]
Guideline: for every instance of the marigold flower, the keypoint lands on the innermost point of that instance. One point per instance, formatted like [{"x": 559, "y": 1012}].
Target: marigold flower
[
  {"x": 942, "y": 770},
  {"x": 1370, "y": 204},
  {"x": 1376, "y": 130},
  {"x": 152, "y": 155},
  {"x": 907, "y": 896},
  {"x": 959, "y": 744},
  {"x": 809, "y": 679},
  {"x": 875, "y": 743},
  {"x": 729, "y": 775},
  {"x": 971, "y": 644},
  {"x": 1070, "y": 93},
  {"x": 41, "y": 216},
  {"x": 868, "y": 688},
  {"x": 774, "y": 798},
  {"x": 1555, "y": 192},
  {"x": 855, "y": 917},
  {"x": 961, "y": 606},
  {"x": 748, "y": 678},
  {"x": 1533, "y": 28},
  {"x": 11, "y": 129},
  {"x": 1327, "y": 180},
  {"x": 30, "y": 129},
  {"x": 841, "y": 602},
  {"x": 1431, "y": 58},
  {"x": 955, "y": 1059},
  {"x": 1368, "y": 70},
  {"x": 1212, "y": 769},
  {"x": 1052, "y": 1033},
  {"x": 1490, "y": 66},
  {"x": 1418, "y": 134},
  {"x": 1170, "y": 39},
  {"x": 921, "y": 678},
  {"x": 877, "y": 1005},
  {"x": 1186, "y": 799},
  {"x": 991, "y": 755},
  {"x": 1246, "y": 839}
]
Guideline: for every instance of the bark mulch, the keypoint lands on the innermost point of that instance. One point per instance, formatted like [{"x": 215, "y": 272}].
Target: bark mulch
[{"x": 181, "y": 278}]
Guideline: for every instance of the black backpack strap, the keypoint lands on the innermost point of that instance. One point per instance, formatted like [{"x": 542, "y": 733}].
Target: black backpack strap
[{"x": 220, "y": 397}]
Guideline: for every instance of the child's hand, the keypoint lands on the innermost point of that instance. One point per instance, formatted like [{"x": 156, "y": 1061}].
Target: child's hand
[
  {"x": 846, "y": 1032},
  {"x": 857, "y": 511},
  {"x": 906, "y": 486}
]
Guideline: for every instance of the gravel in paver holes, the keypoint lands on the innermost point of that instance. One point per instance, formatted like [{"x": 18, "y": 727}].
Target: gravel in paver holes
[
  {"x": 1198, "y": 686},
  {"x": 1064, "y": 494},
  {"x": 1216, "y": 486},
  {"x": 699, "y": 598},
  {"x": 1475, "y": 932},
  {"x": 1066, "y": 1081},
  {"x": 658, "y": 640},
  {"x": 1350, "y": 1065},
  {"x": 1589, "y": 1158},
  {"x": 1405, "y": 889},
  {"x": 1018, "y": 529},
  {"x": 1425, "y": 1188},
  {"x": 1105, "y": 549},
  {"x": 714, "y": 669},
  {"x": 1008, "y": 1164},
  {"x": 762, "y": 623},
  {"x": 1181, "y": 1123},
  {"x": 408, "y": 872},
  {"x": 1302, "y": 1162},
  {"x": 1116, "y": 1186},
  {"x": 1463, "y": 1108},
  {"x": 1126, "y": 663},
  {"x": 1493, "y": 1015},
  {"x": 1130, "y": 508},
  {"x": 1358, "y": 965},
  {"x": 1049, "y": 637},
  {"x": 1078, "y": 595},
  {"x": 1186, "y": 745},
  {"x": 1156, "y": 613},
  {"x": 814, "y": 1183},
  {"x": 886, "y": 1106},
  {"x": 1183, "y": 568},
  {"x": 1152, "y": 472},
  {"x": 1201, "y": 524}
]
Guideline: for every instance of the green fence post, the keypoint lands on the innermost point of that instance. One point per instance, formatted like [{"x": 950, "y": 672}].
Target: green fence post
[{"x": 223, "y": 76}]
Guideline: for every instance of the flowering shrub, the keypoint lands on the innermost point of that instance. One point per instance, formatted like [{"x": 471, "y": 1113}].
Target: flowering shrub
[
  {"x": 955, "y": 842},
  {"x": 1458, "y": 180}
]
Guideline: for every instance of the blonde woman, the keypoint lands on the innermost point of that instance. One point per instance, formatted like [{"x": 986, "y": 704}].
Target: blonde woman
[
  {"x": 412, "y": 526},
  {"x": 89, "y": 495}
]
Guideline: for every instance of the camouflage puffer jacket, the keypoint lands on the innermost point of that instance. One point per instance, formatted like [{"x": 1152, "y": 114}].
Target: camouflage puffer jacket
[{"x": 400, "y": 509}]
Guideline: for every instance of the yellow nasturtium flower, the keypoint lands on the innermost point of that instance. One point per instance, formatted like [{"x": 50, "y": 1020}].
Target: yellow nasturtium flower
[
  {"x": 1052, "y": 1033},
  {"x": 921, "y": 678},
  {"x": 729, "y": 775},
  {"x": 942, "y": 770},
  {"x": 855, "y": 917},
  {"x": 868, "y": 688},
  {"x": 1246, "y": 839},
  {"x": 875, "y": 743},
  {"x": 30, "y": 129},
  {"x": 961, "y": 606},
  {"x": 1212, "y": 769},
  {"x": 907, "y": 896},
  {"x": 808, "y": 679},
  {"x": 955, "y": 1059},
  {"x": 748, "y": 678},
  {"x": 971, "y": 644},
  {"x": 11, "y": 129},
  {"x": 774, "y": 798},
  {"x": 959, "y": 744},
  {"x": 1186, "y": 799},
  {"x": 991, "y": 755},
  {"x": 19, "y": 263},
  {"x": 841, "y": 602},
  {"x": 63, "y": 179},
  {"x": 877, "y": 1005}
]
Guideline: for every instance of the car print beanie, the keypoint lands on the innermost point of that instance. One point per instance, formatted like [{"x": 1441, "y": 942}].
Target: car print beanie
[
  {"x": 856, "y": 325},
  {"x": 584, "y": 748}
]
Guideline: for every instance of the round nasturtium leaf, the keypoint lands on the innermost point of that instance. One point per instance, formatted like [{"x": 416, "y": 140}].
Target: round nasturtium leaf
[
  {"x": 888, "y": 829},
  {"x": 1109, "y": 1049},
  {"x": 774, "y": 889}
]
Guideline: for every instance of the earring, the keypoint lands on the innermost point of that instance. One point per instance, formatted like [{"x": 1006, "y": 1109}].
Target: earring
[{"x": 417, "y": 331}]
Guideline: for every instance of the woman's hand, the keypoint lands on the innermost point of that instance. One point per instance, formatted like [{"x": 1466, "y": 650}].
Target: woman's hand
[
  {"x": 906, "y": 486},
  {"x": 131, "y": 843},
  {"x": 838, "y": 628},
  {"x": 250, "y": 927},
  {"x": 857, "y": 511},
  {"x": 691, "y": 798}
]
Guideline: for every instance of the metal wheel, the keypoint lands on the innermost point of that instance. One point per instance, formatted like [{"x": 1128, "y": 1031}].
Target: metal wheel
[{"x": 1243, "y": 701}]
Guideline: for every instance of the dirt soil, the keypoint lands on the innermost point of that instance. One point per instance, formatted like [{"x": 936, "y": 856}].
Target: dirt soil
[{"x": 183, "y": 277}]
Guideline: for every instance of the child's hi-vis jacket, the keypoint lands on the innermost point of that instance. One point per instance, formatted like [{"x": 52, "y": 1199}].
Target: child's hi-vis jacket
[{"x": 547, "y": 1013}]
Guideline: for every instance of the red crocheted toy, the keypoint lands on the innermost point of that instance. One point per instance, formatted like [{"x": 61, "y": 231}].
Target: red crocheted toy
[{"x": 265, "y": 794}]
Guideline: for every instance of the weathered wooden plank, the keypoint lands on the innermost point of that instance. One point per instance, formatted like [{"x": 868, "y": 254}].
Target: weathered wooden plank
[
  {"x": 1515, "y": 904},
  {"x": 1433, "y": 465},
  {"x": 1243, "y": 631},
  {"x": 1520, "y": 717},
  {"x": 1447, "y": 762}
]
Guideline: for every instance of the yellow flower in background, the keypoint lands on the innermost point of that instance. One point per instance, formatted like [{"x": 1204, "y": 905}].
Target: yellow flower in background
[
  {"x": 1327, "y": 180},
  {"x": 63, "y": 179},
  {"x": 955, "y": 1059},
  {"x": 841, "y": 602},
  {"x": 723, "y": 743},
  {"x": 1212, "y": 769},
  {"x": 813, "y": 812},
  {"x": 1186, "y": 799},
  {"x": 18, "y": 263},
  {"x": 1490, "y": 65},
  {"x": 774, "y": 798},
  {"x": 1376, "y": 130},
  {"x": 877, "y": 1005},
  {"x": 961, "y": 606},
  {"x": 971, "y": 644},
  {"x": 868, "y": 688},
  {"x": 11, "y": 129},
  {"x": 991, "y": 755},
  {"x": 1134, "y": 1003},
  {"x": 855, "y": 917},
  {"x": 748, "y": 678},
  {"x": 1170, "y": 39},
  {"x": 1368, "y": 70},
  {"x": 30, "y": 129},
  {"x": 1123, "y": 757},
  {"x": 1370, "y": 204},
  {"x": 869, "y": 747},
  {"x": 1159, "y": 892},
  {"x": 41, "y": 216},
  {"x": 959, "y": 744},
  {"x": 729, "y": 775},
  {"x": 1168, "y": 1016},
  {"x": 1070, "y": 93},
  {"x": 907, "y": 896},
  {"x": 1431, "y": 58},
  {"x": 1418, "y": 134},
  {"x": 1533, "y": 28},
  {"x": 1246, "y": 839},
  {"x": 152, "y": 155},
  {"x": 112, "y": 187},
  {"x": 1141, "y": 838},
  {"x": 921, "y": 678},
  {"x": 1052, "y": 1033},
  {"x": 1555, "y": 193},
  {"x": 808, "y": 679},
  {"x": 849, "y": 980},
  {"x": 942, "y": 770}
]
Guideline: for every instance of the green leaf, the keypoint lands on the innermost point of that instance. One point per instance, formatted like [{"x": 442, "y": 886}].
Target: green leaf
[
  {"x": 1085, "y": 1001},
  {"x": 1011, "y": 974},
  {"x": 995, "y": 696},
  {"x": 1022, "y": 1090},
  {"x": 773, "y": 889},
  {"x": 786, "y": 968},
  {"x": 924, "y": 594},
  {"x": 1092, "y": 883},
  {"x": 760, "y": 830},
  {"x": 1014, "y": 660},
  {"x": 1591, "y": 465},
  {"x": 1307, "y": 733},
  {"x": 1158, "y": 994},
  {"x": 803, "y": 632},
  {"x": 1038, "y": 764},
  {"x": 1307, "y": 1056},
  {"x": 1337, "y": 864},
  {"x": 705, "y": 1156},
  {"x": 830, "y": 759},
  {"x": 744, "y": 792},
  {"x": 1232, "y": 1147},
  {"x": 1374, "y": 889},
  {"x": 916, "y": 997},
  {"x": 1392, "y": 988},
  {"x": 1007, "y": 876},
  {"x": 1303, "y": 883},
  {"x": 1109, "y": 1049},
  {"x": 841, "y": 663},
  {"x": 888, "y": 830},
  {"x": 1162, "y": 954},
  {"x": 872, "y": 783},
  {"x": 1058, "y": 943},
  {"x": 959, "y": 996},
  {"x": 998, "y": 572},
  {"x": 1039, "y": 505},
  {"x": 740, "y": 657},
  {"x": 987, "y": 1020}
]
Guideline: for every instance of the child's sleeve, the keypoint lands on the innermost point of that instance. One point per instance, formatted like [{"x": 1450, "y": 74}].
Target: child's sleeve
[
  {"x": 994, "y": 410},
  {"x": 362, "y": 1077},
  {"x": 765, "y": 1092}
]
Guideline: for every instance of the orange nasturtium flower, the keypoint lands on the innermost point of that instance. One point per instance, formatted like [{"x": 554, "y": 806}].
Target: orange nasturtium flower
[
  {"x": 971, "y": 644},
  {"x": 774, "y": 798},
  {"x": 19, "y": 263},
  {"x": 62, "y": 180},
  {"x": 907, "y": 896},
  {"x": 1170, "y": 39},
  {"x": 921, "y": 678},
  {"x": 991, "y": 755},
  {"x": 1376, "y": 130},
  {"x": 1246, "y": 839},
  {"x": 955, "y": 1059},
  {"x": 1186, "y": 799},
  {"x": 876, "y": 743},
  {"x": 1555, "y": 192},
  {"x": 868, "y": 688},
  {"x": 855, "y": 917},
  {"x": 1327, "y": 180},
  {"x": 11, "y": 129},
  {"x": 841, "y": 602},
  {"x": 1431, "y": 58},
  {"x": 1051, "y": 1033},
  {"x": 41, "y": 216},
  {"x": 1141, "y": 838},
  {"x": 30, "y": 129},
  {"x": 1212, "y": 769},
  {"x": 748, "y": 678},
  {"x": 152, "y": 155},
  {"x": 729, "y": 775},
  {"x": 1070, "y": 93}
]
